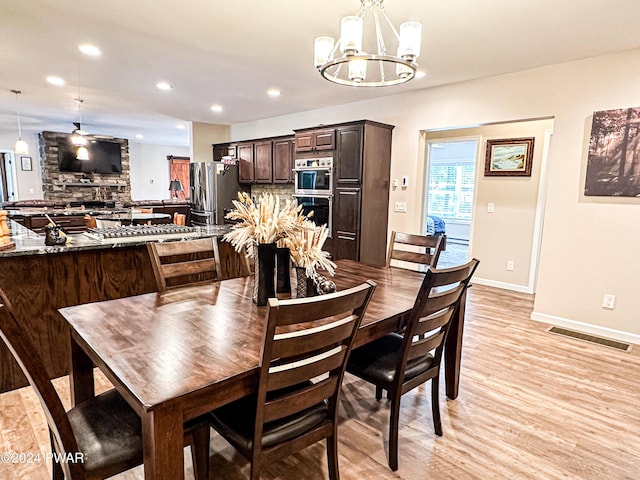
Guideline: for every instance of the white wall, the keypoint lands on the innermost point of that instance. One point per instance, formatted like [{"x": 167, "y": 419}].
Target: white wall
[
  {"x": 150, "y": 169},
  {"x": 589, "y": 246},
  {"x": 29, "y": 183}
]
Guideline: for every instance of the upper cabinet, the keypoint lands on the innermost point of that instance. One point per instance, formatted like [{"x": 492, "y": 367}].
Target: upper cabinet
[
  {"x": 245, "y": 161},
  {"x": 283, "y": 160},
  {"x": 267, "y": 160},
  {"x": 349, "y": 155},
  {"x": 316, "y": 139},
  {"x": 263, "y": 162}
]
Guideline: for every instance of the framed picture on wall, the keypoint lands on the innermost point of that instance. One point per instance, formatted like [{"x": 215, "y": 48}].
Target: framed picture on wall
[
  {"x": 511, "y": 157},
  {"x": 25, "y": 163}
]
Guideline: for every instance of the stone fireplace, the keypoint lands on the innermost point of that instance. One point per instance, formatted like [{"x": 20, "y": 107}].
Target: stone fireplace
[{"x": 72, "y": 186}]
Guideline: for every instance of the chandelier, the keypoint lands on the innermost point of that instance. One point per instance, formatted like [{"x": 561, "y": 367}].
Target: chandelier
[{"x": 358, "y": 68}]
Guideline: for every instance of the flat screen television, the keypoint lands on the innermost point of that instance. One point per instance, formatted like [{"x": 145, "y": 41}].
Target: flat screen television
[{"x": 104, "y": 157}]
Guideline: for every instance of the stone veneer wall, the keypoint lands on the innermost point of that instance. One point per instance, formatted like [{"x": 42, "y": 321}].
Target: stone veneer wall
[{"x": 58, "y": 186}]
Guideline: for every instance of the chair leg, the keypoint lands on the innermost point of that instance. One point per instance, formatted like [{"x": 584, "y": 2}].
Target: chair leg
[
  {"x": 378, "y": 392},
  {"x": 435, "y": 405},
  {"x": 56, "y": 469},
  {"x": 394, "y": 419},
  {"x": 200, "y": 452},
  {"x": 332, "y": 457}
]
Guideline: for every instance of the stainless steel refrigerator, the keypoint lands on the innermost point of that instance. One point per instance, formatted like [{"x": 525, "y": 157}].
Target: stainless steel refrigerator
[{"x": 213, "y": 187}]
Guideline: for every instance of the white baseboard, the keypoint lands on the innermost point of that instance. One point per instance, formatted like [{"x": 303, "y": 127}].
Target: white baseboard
[
  {"x": 504, "y": 285},
  {"x": 587, "y": 328}
]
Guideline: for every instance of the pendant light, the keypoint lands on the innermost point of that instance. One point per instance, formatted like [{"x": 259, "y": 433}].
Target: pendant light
[
  {"x": 21, "y": 147},
  {"x": 78, "y": 138}
]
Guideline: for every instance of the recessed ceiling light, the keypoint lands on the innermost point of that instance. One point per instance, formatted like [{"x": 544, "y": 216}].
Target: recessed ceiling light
[
  {"x": 421, "y": 74},
  {"x": 216, "y": 108},
  {"x": 272, "y": 92},
  {"x": 139, "y": 135},
  {"x": 164, "y": 86},
  {"x": 180, "y": 126},
  {"x": 57, "y": 81},
  {"x": 91, "y": 50}
]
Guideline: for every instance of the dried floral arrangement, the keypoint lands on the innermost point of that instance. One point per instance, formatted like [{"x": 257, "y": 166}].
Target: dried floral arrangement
[
  {"x": 274, "y": 221},
  {"x": 306, "y": 249}
]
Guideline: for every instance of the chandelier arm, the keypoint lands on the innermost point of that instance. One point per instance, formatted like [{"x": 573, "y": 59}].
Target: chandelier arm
[
  {"x": 393, "y": 29},
  {"x": 379, "y": 38}
]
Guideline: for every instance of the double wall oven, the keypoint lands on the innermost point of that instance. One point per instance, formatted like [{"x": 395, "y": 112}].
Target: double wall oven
[{"x": 314, "y": 188}]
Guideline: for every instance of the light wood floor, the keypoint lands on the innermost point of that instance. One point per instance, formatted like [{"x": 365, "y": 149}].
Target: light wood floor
[{"x": 532, "y": 405}]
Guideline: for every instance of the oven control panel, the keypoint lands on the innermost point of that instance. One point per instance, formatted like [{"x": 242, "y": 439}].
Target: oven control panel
[{"x": 306, "y": 163}]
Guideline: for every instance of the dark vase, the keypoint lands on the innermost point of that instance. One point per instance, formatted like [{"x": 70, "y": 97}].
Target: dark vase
[
  {"x": 283, "y": 262},
  {"x": 304, "y": 285},
  {"x": 264, "y": 273}
]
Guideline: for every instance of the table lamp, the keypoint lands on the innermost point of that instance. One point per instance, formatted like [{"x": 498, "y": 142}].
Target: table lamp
[{"x": 175, "y": 186}]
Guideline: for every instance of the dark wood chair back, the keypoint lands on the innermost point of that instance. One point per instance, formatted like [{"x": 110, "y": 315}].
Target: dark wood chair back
[
  {"x": 231, "y": 264},
  {"x": 430, "y": 317},
  {"x": 306, "y": 347},
  {"x": 426, "y": 249},
  {"x": 184, "y": 262},
  {"x": 25, "y": 353},
  {"x": 297, "y": 351}
]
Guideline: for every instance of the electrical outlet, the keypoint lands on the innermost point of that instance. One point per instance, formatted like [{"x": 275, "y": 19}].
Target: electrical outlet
[
  {"x": 510, "y": 265},
  {"x": 401, "y": 207},
  {"x": 609, "y": 301},
  {"x": 490, "y": 207}
]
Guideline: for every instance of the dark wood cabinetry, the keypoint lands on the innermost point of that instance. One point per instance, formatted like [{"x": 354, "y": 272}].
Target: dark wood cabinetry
[
  {"x": 346, "y": 226},
  {"x": 69, "y": 223},
  {"x": 263, "y": 162},
  {"x": 349, "y": 153},
  {"x": 362, "y": 164},
  {"x": 267, "y": 160},
  {"x": 316, "y": 139},
  {"x": 245, "y": 161},
  {"x": 283, "y": 160}
]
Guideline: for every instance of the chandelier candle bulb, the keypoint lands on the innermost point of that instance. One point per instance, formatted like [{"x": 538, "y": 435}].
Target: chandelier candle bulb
[
  {"x": 351, "y": 35},
  {"x": 357, "y": 70},
  {"x": 322, "y": 50},
  {"x": 410, "y": 37}
]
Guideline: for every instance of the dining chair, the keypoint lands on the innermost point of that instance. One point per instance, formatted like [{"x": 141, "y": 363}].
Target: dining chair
[
  {"x": 425, "y": 249},
  {"x": 231, "y": 263},
  {"x": 299, "y": 380},
  {"x": 179, "y": 218},
  {"x": 184, "y": 262},
  {"x": 90, "y": 222},
  {"x": 100, "y": 437},
  {"x": 400, "y": 362}
]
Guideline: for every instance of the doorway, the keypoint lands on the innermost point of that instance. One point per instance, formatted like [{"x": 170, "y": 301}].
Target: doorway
[
  {"x": 449, "y": 197},
  {"x": 7, "y": 177}
]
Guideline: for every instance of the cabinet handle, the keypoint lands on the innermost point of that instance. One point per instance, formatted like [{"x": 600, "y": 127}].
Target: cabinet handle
[
  {"x": 347, "y": 193},
  {"x": 346, "y": 238}
]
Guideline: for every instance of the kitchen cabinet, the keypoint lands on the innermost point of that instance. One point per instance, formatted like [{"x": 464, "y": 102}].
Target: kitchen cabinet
[
  {"x": 348, "y": 165},
  {"x": 346, "y": 223},
  {"x": 315, "y": 139},
  {"x": 263, "y": 162},
  {"x": 361, "y": 152},
  {"x": 245, "y": 161},
  {"x": 283, "y": 160}
]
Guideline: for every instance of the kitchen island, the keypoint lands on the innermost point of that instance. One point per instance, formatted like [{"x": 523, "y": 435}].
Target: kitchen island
[{"x": 40, "y": 279}]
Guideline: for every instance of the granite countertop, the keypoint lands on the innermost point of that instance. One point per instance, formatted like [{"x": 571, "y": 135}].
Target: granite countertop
[
  {"x": 39, "y": 212},
  {"x": 30, "y": 243}
]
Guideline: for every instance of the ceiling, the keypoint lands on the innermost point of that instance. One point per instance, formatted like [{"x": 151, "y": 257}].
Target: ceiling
[{"x": 230, "y": 53}]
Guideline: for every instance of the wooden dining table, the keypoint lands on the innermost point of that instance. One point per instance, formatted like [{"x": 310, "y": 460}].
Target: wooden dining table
[{"x": 179, "y": 354}]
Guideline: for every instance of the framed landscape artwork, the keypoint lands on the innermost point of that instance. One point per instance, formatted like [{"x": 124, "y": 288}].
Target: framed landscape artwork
[
  {"x": 613, "y": 163},
  {"x": 510, "y": 157}
]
